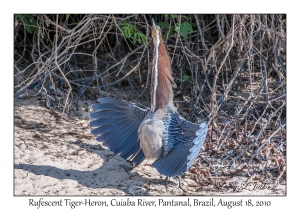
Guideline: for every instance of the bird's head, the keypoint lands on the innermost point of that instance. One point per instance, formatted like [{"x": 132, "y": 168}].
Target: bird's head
[{"x": 155, "y": 33}]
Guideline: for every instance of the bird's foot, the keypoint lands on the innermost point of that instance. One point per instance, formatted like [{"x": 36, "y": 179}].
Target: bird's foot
[
  {"x": 180, "y": 185},
  {"x": 128, "y": 169},
  {"x": 165, "y": 182}
]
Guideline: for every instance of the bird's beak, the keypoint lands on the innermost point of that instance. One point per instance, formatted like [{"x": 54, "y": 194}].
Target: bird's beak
[
  {"x": 153, "y": 23},
  {"x": 154, "y": 31}
]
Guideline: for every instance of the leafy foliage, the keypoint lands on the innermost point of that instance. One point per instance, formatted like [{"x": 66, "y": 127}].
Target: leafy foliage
[
  {"x": 31, "y": 24},
  {"x": 129, "y": 31},
  {"x": 140, "y": 37},
  {"x": 185, "y": 78},
  {"x": 183, "y": 28},
  {"x": 127, "y": 28}
]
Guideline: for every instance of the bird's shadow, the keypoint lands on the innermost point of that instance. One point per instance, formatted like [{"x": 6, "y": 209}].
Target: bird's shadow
[{"x": 107, "y": 176}]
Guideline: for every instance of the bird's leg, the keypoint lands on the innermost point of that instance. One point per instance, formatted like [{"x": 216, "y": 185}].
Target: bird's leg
[
  {"x": 180, "y": 185},
  {"x": 166, "y": 180},
  {"x": 128, "y": 169},
  {"x": 166, "y": 183}
]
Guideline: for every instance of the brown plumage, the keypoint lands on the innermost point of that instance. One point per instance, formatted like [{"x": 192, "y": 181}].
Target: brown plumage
[
  {"x": 159, "y": 134},
  {"x": 165, "y": 81}
]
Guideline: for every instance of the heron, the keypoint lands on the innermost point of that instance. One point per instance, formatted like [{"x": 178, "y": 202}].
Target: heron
[{"x": 158, "y": 134}]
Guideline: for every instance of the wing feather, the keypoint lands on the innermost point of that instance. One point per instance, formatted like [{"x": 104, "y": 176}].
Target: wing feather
[
  {"x": 115, "y": 123},
  {"x": 184, "y": 142}
]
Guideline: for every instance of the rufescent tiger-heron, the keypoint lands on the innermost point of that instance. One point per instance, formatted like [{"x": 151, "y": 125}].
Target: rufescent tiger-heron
[{"x": 158, "y": 134}]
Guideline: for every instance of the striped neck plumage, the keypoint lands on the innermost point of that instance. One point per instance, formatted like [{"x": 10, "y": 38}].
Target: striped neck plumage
[
  {"x": 155, "y": 75},
  {"x": 161, "y": 78}
]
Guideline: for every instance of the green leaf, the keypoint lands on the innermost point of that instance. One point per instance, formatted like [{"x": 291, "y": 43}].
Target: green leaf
[
  {"x": 177, "y": 25},
  {"x": 187, "y": 25},
  {"x": 185, "y": 78},
  {"x": 27, "y": 24},
  {"x": 165, "y": 36},
  {"x": 185, "y": 28},
  {"x": 166, "y": 16},
  {"x": 174, "y": 16},
  {"x": 143, "y": 38},
  {"x": 19, "y": 17},
  {"x": 35, "y": 25},
  {"x": 169, "y": 33},
  {"x": 31, "y": 24},
  {"x": 164, "y": 24},
  {"x": 125, "y": 23},
  {"x": 184, "y": 32},
  {"x": 128, "y": 32},
  {"x": 127, "y": 28},
  {"x": 140, "y": 37},
  {"x": 134, "y": 38},
  {"x": 67, "y": 16},
  {"x": 184, "y": 16}
]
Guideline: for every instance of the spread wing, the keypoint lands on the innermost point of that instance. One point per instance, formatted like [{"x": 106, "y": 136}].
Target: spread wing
[
  {"x": 182, "y": 146},
  {"x": 116, "y": 123}
]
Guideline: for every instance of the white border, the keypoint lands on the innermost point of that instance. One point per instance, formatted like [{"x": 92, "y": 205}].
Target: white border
[{"x": 8, "y": 8}]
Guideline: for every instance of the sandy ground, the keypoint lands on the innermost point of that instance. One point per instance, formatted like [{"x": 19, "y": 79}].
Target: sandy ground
[{"x": 55, "y": 156}]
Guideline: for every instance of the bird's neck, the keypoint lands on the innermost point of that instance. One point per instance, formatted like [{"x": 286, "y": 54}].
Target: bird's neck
[{"x": 161, "y": 80}]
